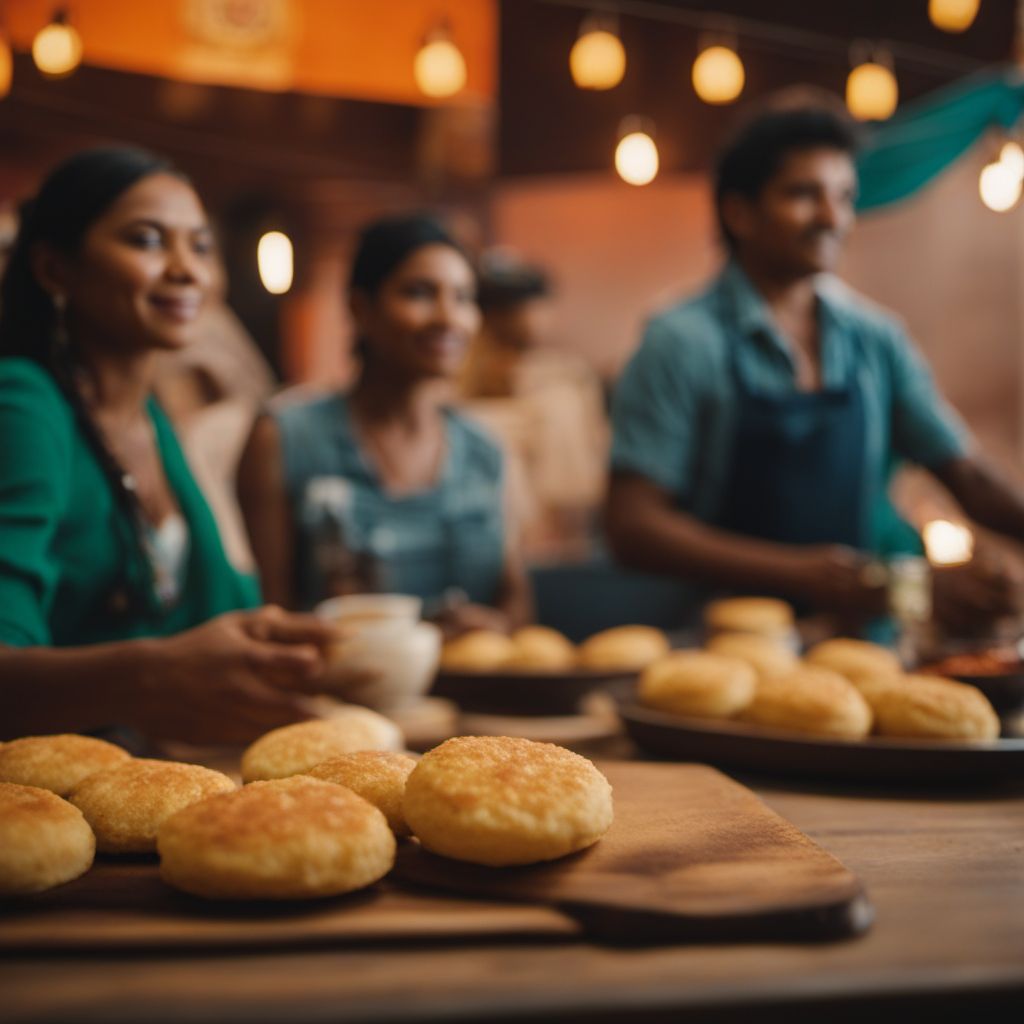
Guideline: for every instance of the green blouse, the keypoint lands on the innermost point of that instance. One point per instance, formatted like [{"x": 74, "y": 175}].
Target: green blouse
[{"x": 71, "y": 572}]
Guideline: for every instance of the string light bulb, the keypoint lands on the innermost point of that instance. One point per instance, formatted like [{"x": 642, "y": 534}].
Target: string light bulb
[
  {"x": 275, "y": 259},
  {"x": 636, "y": 155},
  {"x": 999, "y": 186},
  {"x": 718, "y": 74},
  {"x": 872, "y": 92},
  {"x": 439, "y": 67},
  {"x": 57, "y": 47},
  {"x": 953, "y": 15},
  {"x": 597, "y": 59},
  {"x": 6, "y": 66}
]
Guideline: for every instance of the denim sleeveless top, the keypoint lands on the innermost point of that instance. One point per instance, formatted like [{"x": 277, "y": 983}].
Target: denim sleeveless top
[{"x": 451, "y": 535}]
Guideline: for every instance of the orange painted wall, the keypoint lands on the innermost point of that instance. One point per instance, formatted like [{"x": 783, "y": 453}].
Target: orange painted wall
[{"x": 361, "y": 49}]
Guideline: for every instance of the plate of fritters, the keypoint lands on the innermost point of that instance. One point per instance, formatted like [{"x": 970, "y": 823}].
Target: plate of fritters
[
  {"x": 845, "y": 710},
  {"x": 538, "y": 671}
]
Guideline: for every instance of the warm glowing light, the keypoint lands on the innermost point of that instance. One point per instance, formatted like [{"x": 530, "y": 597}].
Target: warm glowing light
[
  {"x": 636, "y": 159},
  {"x": 953, "y": 15},
  {"x": 1011, "y": 156},
  {"x": 871, "y": 92},
  {"x": 276, "y": 262},
  {"x": 999, "y": 186},
  {"x": 57, "y": 48},
  {"x": 947, "y": 543},
  {"x": 718, "y": 75},
  {"x": 6, "y": 67},
  {"x": 439, "y": 68},
  {"x": 597, "y": 60}
]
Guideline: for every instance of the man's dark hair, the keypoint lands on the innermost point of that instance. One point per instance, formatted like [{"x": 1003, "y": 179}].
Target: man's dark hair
[
  {"x": 753, "y": 156},
  {"x": 506, "y": 282}
]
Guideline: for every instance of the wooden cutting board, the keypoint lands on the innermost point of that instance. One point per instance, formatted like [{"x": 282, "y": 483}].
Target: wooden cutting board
[
  {"x": 124, "y": 905},
  {"x": 691, "y": 855}
]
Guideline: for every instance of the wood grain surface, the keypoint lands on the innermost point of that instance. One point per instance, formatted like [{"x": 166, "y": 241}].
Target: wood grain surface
[
  {"x": 691, "y": 855},
  {"x": 124, "y": 905},
  {"x": 944, "y": 871}
]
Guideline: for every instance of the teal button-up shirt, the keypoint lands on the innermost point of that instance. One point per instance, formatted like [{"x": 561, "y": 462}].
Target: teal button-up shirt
[
  {"x": 450, "y": 535},
  {"x": 675, "y": 408}
]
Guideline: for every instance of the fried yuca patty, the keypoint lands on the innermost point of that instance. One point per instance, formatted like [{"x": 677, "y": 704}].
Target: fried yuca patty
[
  {"x": 57, "y": 763},
  {"x": 283, "y": 839},
  {"x": 126, "y": 805},
  {"x": 297, "y": 748},
  {"x": 44, "y": 841},
  {"x": 500, "y": 800},
  {"x": 378, "y": 776}
]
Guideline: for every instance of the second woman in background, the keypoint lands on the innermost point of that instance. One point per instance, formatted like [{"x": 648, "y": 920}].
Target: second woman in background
[{"x": 386, "y": 488}]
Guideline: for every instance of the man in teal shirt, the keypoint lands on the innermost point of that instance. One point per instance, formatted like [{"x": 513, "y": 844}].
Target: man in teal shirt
[{"x": 757, "y": 426}]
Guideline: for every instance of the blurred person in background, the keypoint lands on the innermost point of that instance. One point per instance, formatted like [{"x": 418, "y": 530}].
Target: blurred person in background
[
  {"x": 117, "y": 603},
  {"x": 386, "y": 487},
  {"x": 758, "y": 424},
  {"x": 546, "y": 405}
]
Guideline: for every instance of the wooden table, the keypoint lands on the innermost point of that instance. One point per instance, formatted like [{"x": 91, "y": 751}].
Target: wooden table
[{"x": 946, "y": 875}]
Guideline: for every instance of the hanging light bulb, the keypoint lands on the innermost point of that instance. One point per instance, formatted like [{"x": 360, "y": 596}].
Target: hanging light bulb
[
  {"x": 57, "y": 48},
  {"x": 953, "y": 15},
  {"x": 276, "y": 262},
  {"x": 439, "y": 67},
  {"x": 872, "y": 91},
  {"x": 636, "y": 156},
  {"x": 718, "y": 75},
  {"x": 1012, "y": 157},
  {"x": 597, "y": 59},
  {"x": 999, "y": 186},
  {"x": 6, "y": 67}
]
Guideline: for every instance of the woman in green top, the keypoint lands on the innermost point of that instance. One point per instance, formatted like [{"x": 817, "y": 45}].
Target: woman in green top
[{"x": 117, "y": 603}]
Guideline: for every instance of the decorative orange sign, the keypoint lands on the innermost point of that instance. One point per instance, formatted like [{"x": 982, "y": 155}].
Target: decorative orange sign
[{"x": 354, "y": 48}]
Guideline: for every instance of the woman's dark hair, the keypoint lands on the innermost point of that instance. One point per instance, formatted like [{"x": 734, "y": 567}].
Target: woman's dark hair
[
  {"x": 69, "y": 201},
  {"x": 755, "y": 153},
  {"x": 386, "y": 243}
]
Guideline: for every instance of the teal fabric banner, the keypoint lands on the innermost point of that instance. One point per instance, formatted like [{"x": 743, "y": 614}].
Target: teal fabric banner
[{"x": 921, "y": 140}]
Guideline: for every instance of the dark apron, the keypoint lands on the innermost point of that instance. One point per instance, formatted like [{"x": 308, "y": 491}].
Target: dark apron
[{"x": 798, "y": 466}]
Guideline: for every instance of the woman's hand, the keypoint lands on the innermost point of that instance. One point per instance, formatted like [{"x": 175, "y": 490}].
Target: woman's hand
[{"x": 230, "y": 679}]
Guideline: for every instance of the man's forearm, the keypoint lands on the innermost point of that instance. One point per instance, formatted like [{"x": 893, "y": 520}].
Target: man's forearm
[
  {"x": 655, "y": 538},
  {"x": 988, "y": 498}
]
